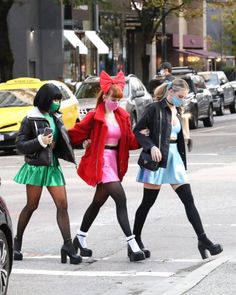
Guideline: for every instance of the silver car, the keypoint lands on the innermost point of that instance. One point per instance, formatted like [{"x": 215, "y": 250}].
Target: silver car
[{"x": 136, "y": 97}]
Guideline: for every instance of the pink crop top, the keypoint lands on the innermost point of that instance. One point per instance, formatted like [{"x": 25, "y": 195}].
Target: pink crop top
[{"x": 113, "y": 134}]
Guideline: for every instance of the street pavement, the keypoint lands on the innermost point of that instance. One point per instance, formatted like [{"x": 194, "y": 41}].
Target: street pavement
[{"x": 175, "y": 266}]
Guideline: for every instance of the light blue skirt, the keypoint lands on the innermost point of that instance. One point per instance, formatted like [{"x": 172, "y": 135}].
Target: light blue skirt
[{"x": 174, "y": 173}]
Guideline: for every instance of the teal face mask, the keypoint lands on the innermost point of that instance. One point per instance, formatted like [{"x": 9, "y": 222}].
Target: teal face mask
[
  {"x": 54, "y": 107},
  {"x": 177, "y": 101}
]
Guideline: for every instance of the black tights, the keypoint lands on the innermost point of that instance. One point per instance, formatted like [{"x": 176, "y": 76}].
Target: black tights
[
  {"x": 103, "y": 191},
  {"x": 185, "y": 195},
  {"x": 58, "y": 194},
  {"x": 149, "y": 198}
]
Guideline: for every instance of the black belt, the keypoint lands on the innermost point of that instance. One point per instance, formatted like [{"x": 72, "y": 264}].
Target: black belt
[
  {"x": 110, "y": 147},
  {"x": 173, "y": 140}
]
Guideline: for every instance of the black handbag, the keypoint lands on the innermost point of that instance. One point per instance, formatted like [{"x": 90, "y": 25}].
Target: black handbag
[
  {"x": 145, "y": 161},
  {"x": 145, "y": 158}
]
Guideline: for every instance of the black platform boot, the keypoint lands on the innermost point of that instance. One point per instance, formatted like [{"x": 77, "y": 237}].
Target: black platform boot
[
  {"x": 17, "y": 249},
  {"x": 69, "y": 250},
  {"x": 134, "y": 256},
  {"x": 85, "y": 252},
  {"x": 142, "y": 247},
  {"x": 205, "y": 244}
]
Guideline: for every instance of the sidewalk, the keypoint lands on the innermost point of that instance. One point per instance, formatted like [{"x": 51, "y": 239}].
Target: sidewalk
[{"x": 216, "y": 277}]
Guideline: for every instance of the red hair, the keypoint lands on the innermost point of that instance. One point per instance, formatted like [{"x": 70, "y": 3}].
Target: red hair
[{"x": 114, "y": 89}]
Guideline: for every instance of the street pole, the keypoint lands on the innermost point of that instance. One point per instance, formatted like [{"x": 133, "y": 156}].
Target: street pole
[
  {"x": 96, "y": 28},
  {"x": 163, "y": 38}
]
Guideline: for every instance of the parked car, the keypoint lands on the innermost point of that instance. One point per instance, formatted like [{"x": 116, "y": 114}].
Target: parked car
[
  {"x": 199, "y": 102},
  {"x": 16, "y": 98},
  {"x": 222, "y": 91},
  {"x": 136, "y": 96},
  {"x": 6, "y": 246}
]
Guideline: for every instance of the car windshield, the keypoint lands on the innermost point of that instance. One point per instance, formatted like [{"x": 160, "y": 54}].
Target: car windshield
[
  {"x": 17, "y": 97},
  {"x": 91, "y": 90},
  {"x": 210, "y": 79}
]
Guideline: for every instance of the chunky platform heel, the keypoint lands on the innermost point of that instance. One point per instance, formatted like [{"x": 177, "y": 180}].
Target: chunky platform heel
[
  {"x": 17, "y": 255},
  {"x": 142, "y": 247},
  {"x": 68, "y": 250},
  {"x": 214, "y": 249},
  {"x": 135, "y": 256},
  {"x": 85, "y": 252}
]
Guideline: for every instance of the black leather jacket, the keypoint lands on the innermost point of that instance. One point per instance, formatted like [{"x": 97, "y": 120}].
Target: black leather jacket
[
  {"x": 27, "y": 140},
  {"x": 151, "y": 120}
]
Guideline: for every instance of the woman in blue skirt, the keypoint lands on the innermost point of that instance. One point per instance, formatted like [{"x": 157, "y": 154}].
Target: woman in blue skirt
[
  {"x": 166, "y": 145},
  {"x": 43, "y": 139}
]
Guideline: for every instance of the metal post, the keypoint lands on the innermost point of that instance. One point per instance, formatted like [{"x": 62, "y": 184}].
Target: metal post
[
  {"x": 96, "y": 28},
  {"x": 163, "y": 38}
]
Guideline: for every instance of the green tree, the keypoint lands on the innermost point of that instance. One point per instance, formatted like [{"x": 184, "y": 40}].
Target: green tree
[
  {"x": 225, "y": 15},
  {"x": 152, "y": 14}
]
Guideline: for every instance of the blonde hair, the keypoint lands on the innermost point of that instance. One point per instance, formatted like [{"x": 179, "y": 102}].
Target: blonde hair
[{"x": 177, "y": 84}]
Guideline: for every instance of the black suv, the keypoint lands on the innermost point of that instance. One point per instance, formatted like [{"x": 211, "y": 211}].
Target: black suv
[
  {"x": 199, "y": 102},
  {"x": 222, "y": 91}
]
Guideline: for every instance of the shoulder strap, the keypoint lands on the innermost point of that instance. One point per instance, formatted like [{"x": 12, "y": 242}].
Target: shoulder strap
[{"x": 160, "y": 117}]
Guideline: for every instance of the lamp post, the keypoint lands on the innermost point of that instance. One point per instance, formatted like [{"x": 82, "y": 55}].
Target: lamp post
[
  {"x": 95, "y": 14},
  {"x": 163, "y": 38}
]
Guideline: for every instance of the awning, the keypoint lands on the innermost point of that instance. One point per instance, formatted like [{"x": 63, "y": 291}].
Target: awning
[
  {"x": 199, "y": 52},
  {"x": 75, "y": 41},
  {"x": 203, "y": 53},
  {"x": 97, "y": 42}
]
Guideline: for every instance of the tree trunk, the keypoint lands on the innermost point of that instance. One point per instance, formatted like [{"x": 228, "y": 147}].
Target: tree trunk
[
  {"x": 145, "y": 68},
  {"x": 6, "y": 56}
]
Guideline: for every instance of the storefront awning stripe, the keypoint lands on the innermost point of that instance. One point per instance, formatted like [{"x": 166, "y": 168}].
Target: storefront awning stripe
[
  {"x": 75, "y": 41},
  {"x": 97, "y": 42}
]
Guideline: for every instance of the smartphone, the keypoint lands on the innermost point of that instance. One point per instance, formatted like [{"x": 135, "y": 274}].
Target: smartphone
[{"x": 47, "y": 131}]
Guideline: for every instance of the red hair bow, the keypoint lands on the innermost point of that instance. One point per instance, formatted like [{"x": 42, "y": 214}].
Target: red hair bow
[{"x": 106, "y": 81}]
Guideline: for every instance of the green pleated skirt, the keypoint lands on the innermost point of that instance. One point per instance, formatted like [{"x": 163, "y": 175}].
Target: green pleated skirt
[{"x": 40, "y": 175}]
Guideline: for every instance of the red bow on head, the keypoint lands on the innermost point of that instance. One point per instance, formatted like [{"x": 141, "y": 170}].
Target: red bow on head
[{"x": 106, "y": 81}]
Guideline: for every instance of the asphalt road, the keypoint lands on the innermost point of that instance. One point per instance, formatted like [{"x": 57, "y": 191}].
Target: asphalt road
[{"x": 175, "y": 265}]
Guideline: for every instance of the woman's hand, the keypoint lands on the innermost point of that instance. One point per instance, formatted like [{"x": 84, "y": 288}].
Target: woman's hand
[
  {"x": 47, "y": 139},
  {"x": 86, "y": 143},
  {"x": 156, "y": 154},
  {"x": 145, "y": 132}
]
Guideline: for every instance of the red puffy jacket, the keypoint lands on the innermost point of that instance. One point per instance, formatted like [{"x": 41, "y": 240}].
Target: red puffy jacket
[{"x": 93, "y": 126}]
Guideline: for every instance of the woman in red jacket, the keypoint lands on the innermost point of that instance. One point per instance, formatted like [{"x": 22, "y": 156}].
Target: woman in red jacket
[{"x": 106, "y": 159}]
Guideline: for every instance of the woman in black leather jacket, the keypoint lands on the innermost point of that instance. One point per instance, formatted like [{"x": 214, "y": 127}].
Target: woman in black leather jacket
[
  {"x": 43, "y": 139},
  {"x": 165, "y": 144}
]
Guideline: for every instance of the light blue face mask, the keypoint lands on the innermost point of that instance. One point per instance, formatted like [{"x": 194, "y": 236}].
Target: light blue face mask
[{"x": 177, "y": 101}]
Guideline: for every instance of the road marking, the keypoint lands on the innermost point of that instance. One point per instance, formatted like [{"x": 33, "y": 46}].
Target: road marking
[
  {"x": 92, "y": 273},
  {"x": 192, "y": 279},
  {"x": 165, "y": 260}
]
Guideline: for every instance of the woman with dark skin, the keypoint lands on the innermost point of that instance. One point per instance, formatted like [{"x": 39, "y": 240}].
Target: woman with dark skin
[
  {"x": 43, "y": 139},
  {"x": 163, "y": 117},
  {"x": 106, "y": 159}
]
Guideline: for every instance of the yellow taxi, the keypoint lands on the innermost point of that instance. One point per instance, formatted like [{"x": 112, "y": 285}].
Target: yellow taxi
[{"x": 16, "y": 98}]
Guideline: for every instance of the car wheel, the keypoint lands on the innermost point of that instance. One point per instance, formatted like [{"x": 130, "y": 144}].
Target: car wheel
[
  {"x": 232, "y": 107},
  {"x": 209, "y": 121},
  {"x": 4, "y": 263},
  {"x": 133, "y": 120},
  {"x": 221, "y": 110},
  {"x": 193, "y": 121}
]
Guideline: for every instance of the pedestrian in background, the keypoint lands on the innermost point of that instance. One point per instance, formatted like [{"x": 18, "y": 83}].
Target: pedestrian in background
[
  {"x": 165, "y": 144},
  {"x": 106, "y": 159},
  {"x": 166, "y": 72},
  {"x": 43, "y": 139}
]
